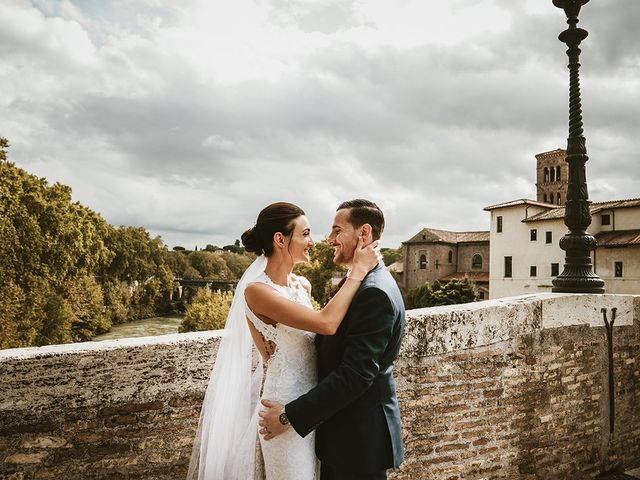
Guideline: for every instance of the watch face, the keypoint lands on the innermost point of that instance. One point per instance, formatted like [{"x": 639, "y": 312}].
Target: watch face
[{"x": 283, "y": 419}]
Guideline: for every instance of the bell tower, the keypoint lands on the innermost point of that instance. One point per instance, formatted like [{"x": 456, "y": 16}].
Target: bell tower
[{"x": 552, "y": 177}]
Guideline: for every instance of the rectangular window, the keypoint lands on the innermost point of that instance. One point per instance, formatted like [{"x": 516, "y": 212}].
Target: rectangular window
[
  {"x": 533, "y": 271},
  {"x": 606, "y": 219},
  {"x": 555, "y": 269},
  {"x": 534, "y": 234},
  {"x": 549, "y": 237},
  {"x": 499, "y": 224},
  {"x": 508, "y": 264},
  {"x": 618, "y": 269}
]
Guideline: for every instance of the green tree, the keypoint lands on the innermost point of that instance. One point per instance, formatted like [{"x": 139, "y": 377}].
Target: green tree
[
  {"x": 235, "y": 248},
  {"x": 237, "y": 263},
  {"x": 191, "y": 273},
  {"x": 177, "y": 262},
  {"x": 117, "y": 300},
  {"x": 86, "y": 304},
  {"x": 436, "y": 293},
  {"x": 65, "y": 273},
  {"x": 4, "y": 147},
  {"x": 391, "y": 255},
  {"x": 209, "y": 265},
  {"x": 56, "y": 328},
  {"x": 207, "y": 311},
  {"x": 12, "y": 320}
]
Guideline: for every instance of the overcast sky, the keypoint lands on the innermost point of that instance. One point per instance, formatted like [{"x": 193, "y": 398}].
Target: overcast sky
[{"x": 187, "y": 117}]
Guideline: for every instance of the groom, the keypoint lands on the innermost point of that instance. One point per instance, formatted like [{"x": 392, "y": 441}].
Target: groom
[{"x": 353, "y": 408}]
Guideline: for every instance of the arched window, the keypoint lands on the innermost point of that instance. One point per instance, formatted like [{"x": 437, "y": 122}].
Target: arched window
[
  {"x": 544, "y": 197},
  {"x": 476, "y": 261},
  {"x": 546, "y": 174},
  {"x": 559, "y": 202},
  {"x": 450, "y": 256},
  {"x": 551, "y": 196},
  {"x": 553, "y": 174},
  {"x": 558, "y": 173},
  {"x": 423, "y": 262}
]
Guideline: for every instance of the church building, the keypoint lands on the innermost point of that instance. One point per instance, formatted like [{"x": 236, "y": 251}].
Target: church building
[
  {"x": 521, "y": 254},
  {"x": 525, "y": 236},
  {"x": 442, "y": 255}
]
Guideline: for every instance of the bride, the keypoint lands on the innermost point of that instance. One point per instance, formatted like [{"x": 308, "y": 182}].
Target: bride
[{"x": 272, "y": 314}]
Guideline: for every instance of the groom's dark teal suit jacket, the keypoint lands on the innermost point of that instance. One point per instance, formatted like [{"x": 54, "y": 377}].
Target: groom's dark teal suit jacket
[{"x": 354, "y": 407}]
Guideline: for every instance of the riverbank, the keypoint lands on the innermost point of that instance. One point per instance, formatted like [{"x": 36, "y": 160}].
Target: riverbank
[{"x": 146, "y": 327}]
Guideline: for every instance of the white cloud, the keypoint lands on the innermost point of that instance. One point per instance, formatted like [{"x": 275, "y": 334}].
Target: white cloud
[{"x": 189, "y": 117}]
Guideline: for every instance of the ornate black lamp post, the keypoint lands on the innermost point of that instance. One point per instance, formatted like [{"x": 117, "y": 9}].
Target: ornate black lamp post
[{"x": 578, "y": 275}]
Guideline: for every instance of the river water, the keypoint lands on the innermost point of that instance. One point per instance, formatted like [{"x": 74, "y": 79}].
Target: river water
[{"x": 143, "y": 328}]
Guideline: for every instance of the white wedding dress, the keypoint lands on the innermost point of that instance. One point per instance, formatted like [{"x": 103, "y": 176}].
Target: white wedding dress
[{"x": 290, "y": 372}]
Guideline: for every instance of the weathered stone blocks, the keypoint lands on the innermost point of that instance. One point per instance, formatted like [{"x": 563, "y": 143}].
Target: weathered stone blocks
[{"x": 508, "y": 389}]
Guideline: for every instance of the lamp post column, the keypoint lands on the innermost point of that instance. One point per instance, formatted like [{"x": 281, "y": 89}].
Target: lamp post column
[{"x": 578, "y": 275}]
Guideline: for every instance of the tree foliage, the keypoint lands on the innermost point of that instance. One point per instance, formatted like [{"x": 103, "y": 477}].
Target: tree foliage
[
  {"x": 207, "y": 311},
  {"x": 436, "y": 293},
  {"x": 209, "y": 264},
  {"x": 391, "y": 255},
  {"x": 65, "y": 273},
  {"x": 4, "y": 146}
]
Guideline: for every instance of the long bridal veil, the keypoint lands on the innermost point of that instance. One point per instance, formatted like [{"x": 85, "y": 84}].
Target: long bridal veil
[{"x": 225, "y": 442}]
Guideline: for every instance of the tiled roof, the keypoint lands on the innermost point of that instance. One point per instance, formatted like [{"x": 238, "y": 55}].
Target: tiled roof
[
  {"x": 620, "y": 238},
  {"x": 630, "y": 202},
  {"x": 521, "y": 201},
  {"x": 552, "y": 153},
  {"x": 595, "y": 207},
  {"x": 552, "y": 214},
  {"x": 478, "y": 277},
  {"x": 468, "y": 237},
  {"x": 445, "y": 236}
]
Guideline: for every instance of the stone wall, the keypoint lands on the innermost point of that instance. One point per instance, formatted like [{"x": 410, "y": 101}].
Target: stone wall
[
  {"x": 513, "y": 388},
  {"x": 438, "y": 265},
  {"x": 117, "y": 409},
  {"x": 528, "y": 397},
  {"x": 466, "y": 251}
]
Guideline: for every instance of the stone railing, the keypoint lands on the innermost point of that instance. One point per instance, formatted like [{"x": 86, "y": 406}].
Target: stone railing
[{"x": 505, "y": 389}]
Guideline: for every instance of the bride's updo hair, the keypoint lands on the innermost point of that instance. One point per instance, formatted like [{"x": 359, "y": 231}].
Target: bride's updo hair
[{"x": 277, "y": 217}]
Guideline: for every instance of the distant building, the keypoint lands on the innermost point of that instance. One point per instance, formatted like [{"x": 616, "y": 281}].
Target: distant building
[
  {"x": 521, "y": 253},
  {"x": 526, "y": 256},
  {"x": 443, "y": 255},
  {"x": 552, "y": 174}
]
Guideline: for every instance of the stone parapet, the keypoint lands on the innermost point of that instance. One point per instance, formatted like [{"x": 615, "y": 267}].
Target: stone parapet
[{"x": 514, "y": 388}]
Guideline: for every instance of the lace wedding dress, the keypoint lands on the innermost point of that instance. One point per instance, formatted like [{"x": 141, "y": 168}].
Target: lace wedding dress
[{"x": 291, "y": 372}]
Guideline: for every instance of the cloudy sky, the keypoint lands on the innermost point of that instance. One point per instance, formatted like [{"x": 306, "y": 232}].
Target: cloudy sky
[{"x": 187, "y": 117}]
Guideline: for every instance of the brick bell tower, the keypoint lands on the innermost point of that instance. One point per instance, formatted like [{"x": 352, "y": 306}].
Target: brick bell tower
[{"x": 552, "y": 174}]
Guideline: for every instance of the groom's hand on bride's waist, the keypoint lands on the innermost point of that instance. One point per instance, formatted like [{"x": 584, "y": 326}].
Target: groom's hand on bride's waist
[{"x": 273, "y": 419}]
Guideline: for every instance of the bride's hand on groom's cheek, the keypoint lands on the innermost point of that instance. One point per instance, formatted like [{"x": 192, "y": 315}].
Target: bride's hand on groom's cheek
[{"x": 270, "y": 426}]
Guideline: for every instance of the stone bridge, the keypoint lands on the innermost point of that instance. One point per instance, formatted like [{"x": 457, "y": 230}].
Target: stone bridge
[
  {"x": 516, "y": 388},
  {"x": 218, "y": 284}
]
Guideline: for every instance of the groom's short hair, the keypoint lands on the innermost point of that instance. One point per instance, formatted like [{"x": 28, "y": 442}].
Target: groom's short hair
[{"x": 363, "y": 211}]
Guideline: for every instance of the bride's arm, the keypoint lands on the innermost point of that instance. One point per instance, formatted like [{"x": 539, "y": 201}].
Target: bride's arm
[{"x": 262, "y": 299}]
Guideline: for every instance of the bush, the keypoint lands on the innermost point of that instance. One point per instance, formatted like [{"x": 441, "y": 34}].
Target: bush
[
  {"x": 88, "y": 314},
  {"x": 117, "y": 297},
  {"x": 454, "y": 292},
  {"x": 56, "y": 327},
  {"x": 207, "y": 311},
  {"x": 11, "y": 302}
]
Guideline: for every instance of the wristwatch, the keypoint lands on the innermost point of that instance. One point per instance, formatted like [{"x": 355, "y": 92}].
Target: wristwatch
[{"x": 284, "y": 420}]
